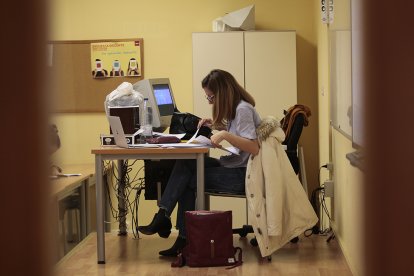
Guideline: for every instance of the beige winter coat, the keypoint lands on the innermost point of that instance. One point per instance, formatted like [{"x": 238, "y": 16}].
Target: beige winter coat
[{"x": 279, "y": 208}]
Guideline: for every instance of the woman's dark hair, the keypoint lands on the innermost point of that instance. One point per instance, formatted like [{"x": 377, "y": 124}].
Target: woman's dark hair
[{"x": 227, "y": 95}]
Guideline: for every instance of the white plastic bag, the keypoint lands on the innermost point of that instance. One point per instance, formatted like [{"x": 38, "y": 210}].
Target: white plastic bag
[{"x": 123, "y": 95}]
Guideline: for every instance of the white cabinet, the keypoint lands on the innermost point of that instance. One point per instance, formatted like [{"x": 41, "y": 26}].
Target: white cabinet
[{"x": 263, "y": 62}]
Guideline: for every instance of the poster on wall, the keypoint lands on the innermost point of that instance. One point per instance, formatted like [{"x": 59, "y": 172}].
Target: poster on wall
[{"x": 116, "y": 59}]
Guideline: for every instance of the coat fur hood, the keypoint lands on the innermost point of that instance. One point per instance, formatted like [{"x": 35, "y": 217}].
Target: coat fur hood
[{"x": 270, "y": 126}]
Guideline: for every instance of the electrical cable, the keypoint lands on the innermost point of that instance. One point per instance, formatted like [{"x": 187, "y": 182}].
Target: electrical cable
[
  {"x": 323, "y": 204},
  {"x": 128, "y": 186},
  {"x": 316, "y": 203}
]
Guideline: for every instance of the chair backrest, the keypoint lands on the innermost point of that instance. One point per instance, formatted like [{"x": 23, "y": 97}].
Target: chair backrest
[{"x": 291, "y": 141}]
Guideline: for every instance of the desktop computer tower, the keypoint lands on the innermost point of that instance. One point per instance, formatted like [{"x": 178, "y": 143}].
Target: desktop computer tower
[{"x": 129, "y": 117}]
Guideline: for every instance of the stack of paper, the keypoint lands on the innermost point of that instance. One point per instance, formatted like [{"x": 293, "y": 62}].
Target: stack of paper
[{"x": 204, "y": 141}]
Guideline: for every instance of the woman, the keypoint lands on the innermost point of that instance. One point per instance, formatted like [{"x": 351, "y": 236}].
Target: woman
[{"x": 236, "y": 119}]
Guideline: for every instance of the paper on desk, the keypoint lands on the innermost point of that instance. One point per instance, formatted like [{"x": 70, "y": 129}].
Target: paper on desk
[
  {"x": 68, "y": 174},
  {"x": 233, "y": 150},
  {"x": 202, "y": 140},
  {"x": 194, "y": 136},
  {"x": 145, "y": 146},
  {"x": 179, "y": 136},
  {"x": 181, "y": 145},
  {"x": 139, "y": 131}
]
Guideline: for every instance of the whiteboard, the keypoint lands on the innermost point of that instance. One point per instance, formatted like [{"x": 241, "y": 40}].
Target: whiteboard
[
  {"x": 358, "y": 130},
  {"x": 341, "y": 81}
]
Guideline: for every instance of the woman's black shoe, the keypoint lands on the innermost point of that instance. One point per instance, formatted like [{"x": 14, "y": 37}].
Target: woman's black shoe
[
  {"x": 175, "y": 249},
  {"x": 160, "y": 224}
]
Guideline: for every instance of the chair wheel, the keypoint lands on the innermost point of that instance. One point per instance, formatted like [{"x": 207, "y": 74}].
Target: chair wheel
[
  {"x": 294, "y": 240},
  {"x": 269, "y": 258},
  {"x": 253, "y": 242},
  {"x": 246, "y": 229}
]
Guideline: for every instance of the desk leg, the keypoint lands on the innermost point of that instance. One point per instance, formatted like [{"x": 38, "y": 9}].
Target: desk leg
[
  {"x": 83, "y": 209},
  {"x": 88, "y": 206},
  {"x": 200, "y": 182},
  {"x": 121, "y": 199},
  {"x": 100, "y": 209}
]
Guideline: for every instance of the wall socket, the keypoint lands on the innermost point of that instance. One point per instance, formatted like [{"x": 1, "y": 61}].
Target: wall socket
[{"x": 329, "y": 188}]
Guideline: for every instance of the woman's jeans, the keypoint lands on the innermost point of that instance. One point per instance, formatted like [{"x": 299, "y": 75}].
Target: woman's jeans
[{"x": 182, "y": 185}]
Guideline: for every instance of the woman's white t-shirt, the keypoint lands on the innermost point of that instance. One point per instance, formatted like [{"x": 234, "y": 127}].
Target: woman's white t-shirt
[{"x": 244, "y": 125}]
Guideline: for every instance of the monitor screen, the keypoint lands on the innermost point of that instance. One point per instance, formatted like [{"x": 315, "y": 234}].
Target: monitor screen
[
  {"x": 164, "y": 99},
  {"x": 161, "y": 98}
]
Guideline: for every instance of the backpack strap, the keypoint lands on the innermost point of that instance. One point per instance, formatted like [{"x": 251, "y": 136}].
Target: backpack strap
[{"x": 239, "y": 258}]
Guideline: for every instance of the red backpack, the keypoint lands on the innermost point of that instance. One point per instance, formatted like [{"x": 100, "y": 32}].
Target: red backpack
[{"x": 209, "y": 240}]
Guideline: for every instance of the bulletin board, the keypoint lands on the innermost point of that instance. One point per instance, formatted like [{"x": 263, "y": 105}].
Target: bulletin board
[{"x": 70, "y": 82}]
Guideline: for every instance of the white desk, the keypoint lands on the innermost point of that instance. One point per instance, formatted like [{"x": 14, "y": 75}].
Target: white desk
[{"x": 115, "y": 153}]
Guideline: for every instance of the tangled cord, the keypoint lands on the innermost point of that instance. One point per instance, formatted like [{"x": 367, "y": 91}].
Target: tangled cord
[{"x": 123, "y": 187}]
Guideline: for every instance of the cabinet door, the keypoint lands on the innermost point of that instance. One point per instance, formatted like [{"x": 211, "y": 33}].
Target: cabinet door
[
  {"x": 215, "y": 51},
  {"x": 270, "y": 71}
]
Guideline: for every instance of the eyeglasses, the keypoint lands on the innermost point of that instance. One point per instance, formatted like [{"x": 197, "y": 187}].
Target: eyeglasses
[{"x": 209, "y": 97}]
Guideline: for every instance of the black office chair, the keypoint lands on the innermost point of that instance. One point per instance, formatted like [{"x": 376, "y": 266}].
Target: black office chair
[
  {"x": 245, "y": 229},
  {"x": 291, "y": 142}
]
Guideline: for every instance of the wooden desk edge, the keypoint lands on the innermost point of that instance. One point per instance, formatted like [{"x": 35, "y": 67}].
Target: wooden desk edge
[
  {"x": 117, "y": 150},
  {"x": 63, "y": 184}
]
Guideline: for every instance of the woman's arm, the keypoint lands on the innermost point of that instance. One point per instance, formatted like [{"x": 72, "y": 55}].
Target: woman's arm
[
  {"x": 244, "y": 144},
  {"x": 208, "y": 123},
  {"x": 205, "y": 122}
]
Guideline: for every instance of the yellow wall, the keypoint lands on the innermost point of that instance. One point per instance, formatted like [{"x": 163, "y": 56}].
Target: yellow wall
[
  {"x": 347, "y": 205},
  {"x": 348, "y": 222},
  {"x": 166, "y": 28}
]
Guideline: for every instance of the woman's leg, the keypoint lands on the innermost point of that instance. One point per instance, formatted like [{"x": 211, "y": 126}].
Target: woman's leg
[
  {"x": 217, "y": 179},
  {"x": 180, "y": 189},
  {"x": 176, "y": 186},
  {"x": 228, "y": 180},
  {"x": 186, "y": 203},
  {"x": 185, "y": 198}
]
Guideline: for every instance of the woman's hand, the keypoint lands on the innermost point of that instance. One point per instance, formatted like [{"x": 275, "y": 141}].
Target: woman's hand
[
  {"x": 248, "y": 145},
  {"x": 218, "y": 137},
  {"x": 205, "y": 122}
]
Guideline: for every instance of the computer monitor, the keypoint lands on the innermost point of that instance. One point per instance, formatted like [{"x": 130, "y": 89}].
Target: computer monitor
[{"x": 161, "y": 99}]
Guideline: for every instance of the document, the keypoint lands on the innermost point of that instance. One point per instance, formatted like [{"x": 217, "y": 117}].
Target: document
[
  {"x": 204, "y": 141},
  {"x": 181, "y": 145},
  {"x": 194, "y": 142},
  {"x": 64, "y": 175}
]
